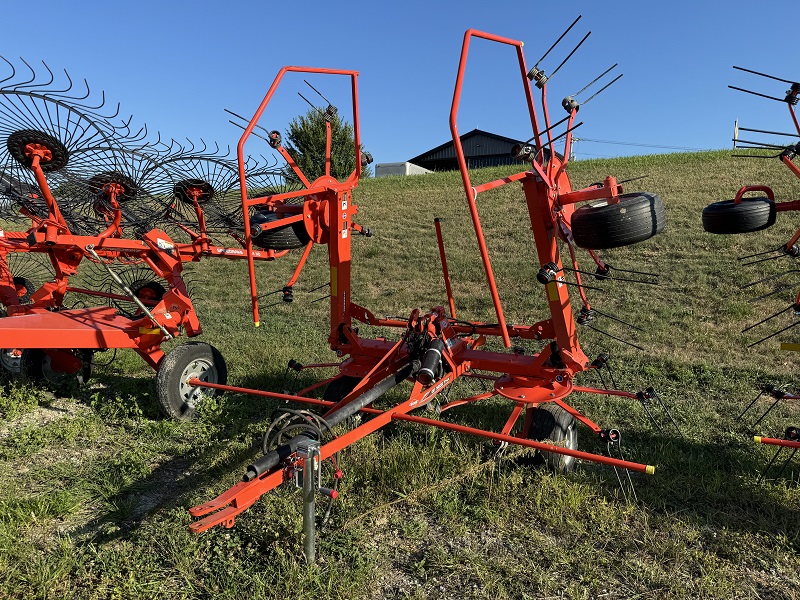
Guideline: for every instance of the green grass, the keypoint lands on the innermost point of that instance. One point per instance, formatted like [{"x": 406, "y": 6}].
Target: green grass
[{"x": 94, "y": 487}]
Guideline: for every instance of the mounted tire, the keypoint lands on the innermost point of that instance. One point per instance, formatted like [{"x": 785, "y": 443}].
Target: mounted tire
[
  {"x": 37, "y": 365},
  {"x": 636, "y": 217},
  {"x": 751, "y": 214},
  {"x": 177, "y": 398},
  {"x": 339, "y": 388},
  {"x": 552, "y": 424},
  {"x": 287, "y": 237}
]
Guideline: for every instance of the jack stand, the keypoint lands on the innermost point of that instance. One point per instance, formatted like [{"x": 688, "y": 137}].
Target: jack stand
[{"x": 309, "y": 452}]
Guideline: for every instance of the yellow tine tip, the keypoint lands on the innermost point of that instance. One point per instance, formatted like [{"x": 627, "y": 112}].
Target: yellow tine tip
[
  {"x": 757, "y": 439},
  {"x": 258, "y": 323},
  {"x": 650, "y": 469}
]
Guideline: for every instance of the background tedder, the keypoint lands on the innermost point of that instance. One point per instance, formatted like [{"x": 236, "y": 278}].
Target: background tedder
[
  {"x": 749, "y": 214},
  {"x": 98, "y": 224},
  {"x": 434, "y": 348}
]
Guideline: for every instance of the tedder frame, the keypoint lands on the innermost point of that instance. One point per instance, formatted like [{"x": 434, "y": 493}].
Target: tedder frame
[{"x": 435, "y": 348}]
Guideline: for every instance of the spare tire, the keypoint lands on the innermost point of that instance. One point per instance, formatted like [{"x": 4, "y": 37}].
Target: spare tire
[
  {"x": 635, "y": 218},
  {"x": 288, "y": 237},
  {"x": 751, "y": 214}
]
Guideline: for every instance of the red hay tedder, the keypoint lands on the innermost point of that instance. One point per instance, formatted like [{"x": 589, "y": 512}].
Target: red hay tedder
[
  {"x": 108, "y": 221},
  {"x": 433, "y": 348},
  {"x": 750, "y": 214}
]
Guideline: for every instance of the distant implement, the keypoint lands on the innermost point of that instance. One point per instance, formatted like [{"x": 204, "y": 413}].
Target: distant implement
[
  {"x": 751, "y": 214},
  {"x": 98, "y": 221}
]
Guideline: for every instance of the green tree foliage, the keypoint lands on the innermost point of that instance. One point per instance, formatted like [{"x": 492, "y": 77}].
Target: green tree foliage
[{"x": 306, "y": 146}]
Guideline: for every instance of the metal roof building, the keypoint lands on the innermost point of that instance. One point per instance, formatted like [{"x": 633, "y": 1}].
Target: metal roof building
[{"x": 481, "y": 149}]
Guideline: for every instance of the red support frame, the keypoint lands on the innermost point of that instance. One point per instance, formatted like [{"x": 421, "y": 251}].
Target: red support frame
[{"x": 526, "y": 380}]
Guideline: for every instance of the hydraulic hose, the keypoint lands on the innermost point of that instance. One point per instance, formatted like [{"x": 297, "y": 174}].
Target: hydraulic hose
[{"x": 274, "y": 457}]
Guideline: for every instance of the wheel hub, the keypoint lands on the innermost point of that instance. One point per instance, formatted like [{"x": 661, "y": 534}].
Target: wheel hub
[{"x": 200, "y": 369}]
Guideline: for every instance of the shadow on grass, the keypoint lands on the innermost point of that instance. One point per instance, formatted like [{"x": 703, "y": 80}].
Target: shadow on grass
[{"x": 709, "y": 484}]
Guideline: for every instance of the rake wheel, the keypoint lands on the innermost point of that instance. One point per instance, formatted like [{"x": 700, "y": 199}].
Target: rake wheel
[
  {"x": 41, "y": 113},
  {"x": 751, "y": 214},
  {"x": 636, "y": 217},
  {"x": 193, "y": 190},
  {"x": 20, "y": 142},
  {"x": 98, "y": 185},
  {"x": 84, "y": 198},
  {"x": 148, "y": 291},
  {"x": 25, "y": 288},
  {"x": 553, "y": 424}
]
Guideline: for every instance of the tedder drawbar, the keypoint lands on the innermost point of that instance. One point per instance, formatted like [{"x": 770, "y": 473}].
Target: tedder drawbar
[
  {"x": 749, "y": 214},
  {"x": 109, "y": 220},
  {"x": 434, "y": 348}
]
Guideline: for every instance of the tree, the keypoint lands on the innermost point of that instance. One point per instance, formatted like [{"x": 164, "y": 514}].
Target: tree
[{"x": 306, "y": 146}]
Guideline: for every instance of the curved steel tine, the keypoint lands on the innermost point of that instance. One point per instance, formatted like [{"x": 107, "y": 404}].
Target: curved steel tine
[
  {"x": 34, "y": 85},
  {"x": 780, "y": 312},
  {"x": 613, "y": 318},
  {"x": 764, "y": 75},
  {"x": 778, "y": 249},
  {"x": 614, "y": 337},
  {"x": 769, "y": 278},
  {"x": 773, "y": 334},
  {"x": 24, "y": 83},
  {"x": 13, "y": 70},
  {"x": 778, "y": 291}
]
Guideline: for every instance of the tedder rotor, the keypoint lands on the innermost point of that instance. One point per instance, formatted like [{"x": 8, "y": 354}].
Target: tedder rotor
[
  {"x": 750, "y": 214},
  {"x": 433, "y": 348}
]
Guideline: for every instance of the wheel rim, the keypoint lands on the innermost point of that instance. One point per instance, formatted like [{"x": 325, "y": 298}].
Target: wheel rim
[
  {"x": 201, "y": 369},
  {"x": 51, "y": 375},
  {"x": 11, "y": 360}
]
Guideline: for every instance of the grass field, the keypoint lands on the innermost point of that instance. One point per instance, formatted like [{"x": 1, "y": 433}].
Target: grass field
[{"x": 95, "y": 486}]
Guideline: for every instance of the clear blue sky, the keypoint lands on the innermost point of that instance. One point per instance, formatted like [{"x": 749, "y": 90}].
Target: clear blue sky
[{"x": 176, "y": 65}]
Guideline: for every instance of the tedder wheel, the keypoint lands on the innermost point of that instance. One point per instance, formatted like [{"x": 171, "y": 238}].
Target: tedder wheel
[
  {"x": 339, "y": 388},
  {"x": 11, "y": 363},
  {"x": 190, "y": 190},
  {"x": 553, "y": 424},
  {"x": 636, "y": 217},
  {"x": 37, "y": 365},
  {"x": 25, "y": 288},
  {"x": 178, "y": 399},
  {"x": 19, "y": 141},
  {"x": 150, "y": 291},
  {"x": 287, "y": 237},
  {"x": 751, "y": 214}
]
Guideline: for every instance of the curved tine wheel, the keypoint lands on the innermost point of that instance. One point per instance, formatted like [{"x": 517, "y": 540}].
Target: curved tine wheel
[
  {"x": 32, "y": 118},
  {"x": 213, "y": 181},
  {"x": 140, "y": 184}
]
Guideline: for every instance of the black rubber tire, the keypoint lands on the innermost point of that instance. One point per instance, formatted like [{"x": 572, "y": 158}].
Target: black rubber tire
[
  {"x": 553, "y": 424},
  {"x": 339, "y": 388},
  {"x": 636, "y": 217},
  {"x": 28, "y": 286},
  {"x": 288, "y": 237},
  {"x": 192, "y": 359},
  {"x": 17, "y": 141},
  {"x": 751, "y": 214},
  {"x": 36, "y": 367}
]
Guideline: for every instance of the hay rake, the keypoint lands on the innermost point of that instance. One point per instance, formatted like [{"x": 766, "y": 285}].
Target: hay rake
[
  {"x": 750, "y": 214},
  {"x": 96, "y": 200},
  {"x": 434, "y": 349}
]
